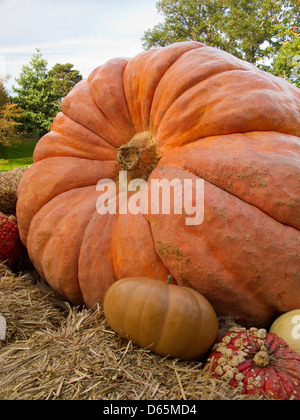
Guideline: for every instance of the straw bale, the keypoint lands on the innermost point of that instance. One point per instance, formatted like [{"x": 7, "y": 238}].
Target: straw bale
[
  {"x": 9, "y": 181},
  {"x": 83, "y": 359},
  {"x": 55, "y": 351},
  {"x": 27, "y": 305}
]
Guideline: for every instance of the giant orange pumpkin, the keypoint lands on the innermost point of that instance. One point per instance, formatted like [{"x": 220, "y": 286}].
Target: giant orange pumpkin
[{"x": 183, "y": 111}]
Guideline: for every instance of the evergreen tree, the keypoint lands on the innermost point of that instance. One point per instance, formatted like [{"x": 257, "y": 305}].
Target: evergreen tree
[
  {"x": 36, "y": 96},
  {"x": 40, "y": 92},
  {"x": 64, "y": 79}
]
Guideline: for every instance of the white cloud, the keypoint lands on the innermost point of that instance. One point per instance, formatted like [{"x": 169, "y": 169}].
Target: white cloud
[{"x": 85, "y": 33}]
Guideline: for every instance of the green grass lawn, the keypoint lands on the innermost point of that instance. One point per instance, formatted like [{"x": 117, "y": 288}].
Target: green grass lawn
[{"x": 17, "y": 155}]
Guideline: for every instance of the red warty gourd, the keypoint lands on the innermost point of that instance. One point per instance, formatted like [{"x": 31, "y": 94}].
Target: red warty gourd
[
  {"x": 185, "y": 111},
  {"x": 11, "y": 247},
  {"x": 257, "y": 363},
  {"x": 165, "y": 318}
]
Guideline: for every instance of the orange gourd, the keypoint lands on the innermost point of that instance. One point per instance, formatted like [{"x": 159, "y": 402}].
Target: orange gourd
[
  {"x": 186, "y": 111},
  {"x": 168, "y": 319}
]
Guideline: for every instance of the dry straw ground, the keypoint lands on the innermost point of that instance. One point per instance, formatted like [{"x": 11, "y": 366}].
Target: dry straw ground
[
  {"x": 53, "y": 351},
  {"x": 9, "y": 181}
]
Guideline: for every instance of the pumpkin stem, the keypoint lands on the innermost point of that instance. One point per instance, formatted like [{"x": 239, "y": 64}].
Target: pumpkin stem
[
  {"x": 169, "y": 279},
  {"x": 139, "y": 157},
  {"x": 261, "y": 359}
]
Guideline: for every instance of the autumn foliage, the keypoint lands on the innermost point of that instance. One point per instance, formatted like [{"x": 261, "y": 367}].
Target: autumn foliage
[{"x": 9, "y": 114}]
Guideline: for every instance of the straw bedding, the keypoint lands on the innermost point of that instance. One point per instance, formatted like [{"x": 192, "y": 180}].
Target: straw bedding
[
  {"x": 55, "y": 351},
  {"x": 8, "y": 185}
]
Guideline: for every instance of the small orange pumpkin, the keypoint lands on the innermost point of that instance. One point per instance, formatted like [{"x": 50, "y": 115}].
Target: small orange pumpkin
[{"x": 168, "y": 319}]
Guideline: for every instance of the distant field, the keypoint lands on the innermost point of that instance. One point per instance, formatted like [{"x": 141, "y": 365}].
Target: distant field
[{"x": 17, "y": 155}]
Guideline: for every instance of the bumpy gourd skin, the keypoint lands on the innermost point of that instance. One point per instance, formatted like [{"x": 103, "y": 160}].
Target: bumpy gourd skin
[
  {"x": 256, "y": 362},
  {"x": 214, "y": 117},
  {"x": 11, "y": 248}
]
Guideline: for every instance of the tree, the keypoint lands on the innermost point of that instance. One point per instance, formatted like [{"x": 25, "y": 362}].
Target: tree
[
  {"x": 186, "y": 20},
  {"x": 39, "y": 92},
  {"x": 64, "y": 79},
  {"x": 287, "y": 62},
  {"x": 9, "y": 125},
  {"x": 3, "y": 95},
  {"x": 258, "y": 28},
  {"x": 249, "y": 30},
  {"x": 35, "y": 95}
]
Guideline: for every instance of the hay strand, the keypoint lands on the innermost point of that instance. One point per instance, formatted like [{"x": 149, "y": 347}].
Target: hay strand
[
  {"x": 53, "y": 351},
  {"x": 9, "y": 181}
]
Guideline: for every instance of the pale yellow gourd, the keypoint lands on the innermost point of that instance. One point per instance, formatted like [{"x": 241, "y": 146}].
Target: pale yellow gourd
[{"x": 287, "y": 327}]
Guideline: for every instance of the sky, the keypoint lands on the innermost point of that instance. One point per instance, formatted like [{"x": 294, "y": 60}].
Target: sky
[{"x": 86, "y": 33}]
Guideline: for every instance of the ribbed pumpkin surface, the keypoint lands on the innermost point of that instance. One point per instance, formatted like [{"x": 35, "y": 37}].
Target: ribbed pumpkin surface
[{"x": 214, "y": 117}]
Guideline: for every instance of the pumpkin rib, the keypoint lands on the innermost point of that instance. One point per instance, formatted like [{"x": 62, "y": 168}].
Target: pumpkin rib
[
  {"x": 63, "y": 192},
  {"x": 107, "y": 89},
  {"x": 260, "y": 177},
  {"x": 83, "y": 280},
  {"x": 271, "y": 384},
  {"x": 133, "y": 241},
  {"x": 82, "y": 244},
  {"x": 234, "y": 233},
  {"x": 64, "y": 125},
  {"x": 53, "y": 254},
  {"x": 191, "y": 56},
  {"x": 63, "y": 178},
  {"x": 142, "y": 76},
  {"x": 246, "y": 202},
  {"x": 286, "y": 382},
  {"x": 166, "y": 73},
  {"x": 168, "y": 316},
  {"x": 142, "y": 315},
  {"x": 54, "y": 209},
  {"x": 95, "y": 275},
  {"x": 66, "y": 135},
  {"x": 185, "y": 252},
  {"x": 292, "y": 369},
  {"x": 208, "y": 79},
  {"x": 119, "y": 305},
  {"x": 61, "y": 151},
  {"x": 225, "y": 111},
  {"x": 185, "y": 354},
  {"x": 190, "y": 170},
  {"x": 79, "y": 103},
  {"x": 161, "y": 317},
  {"x": 164, "y": 325},
  {"x": 120, "y": 260}
]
